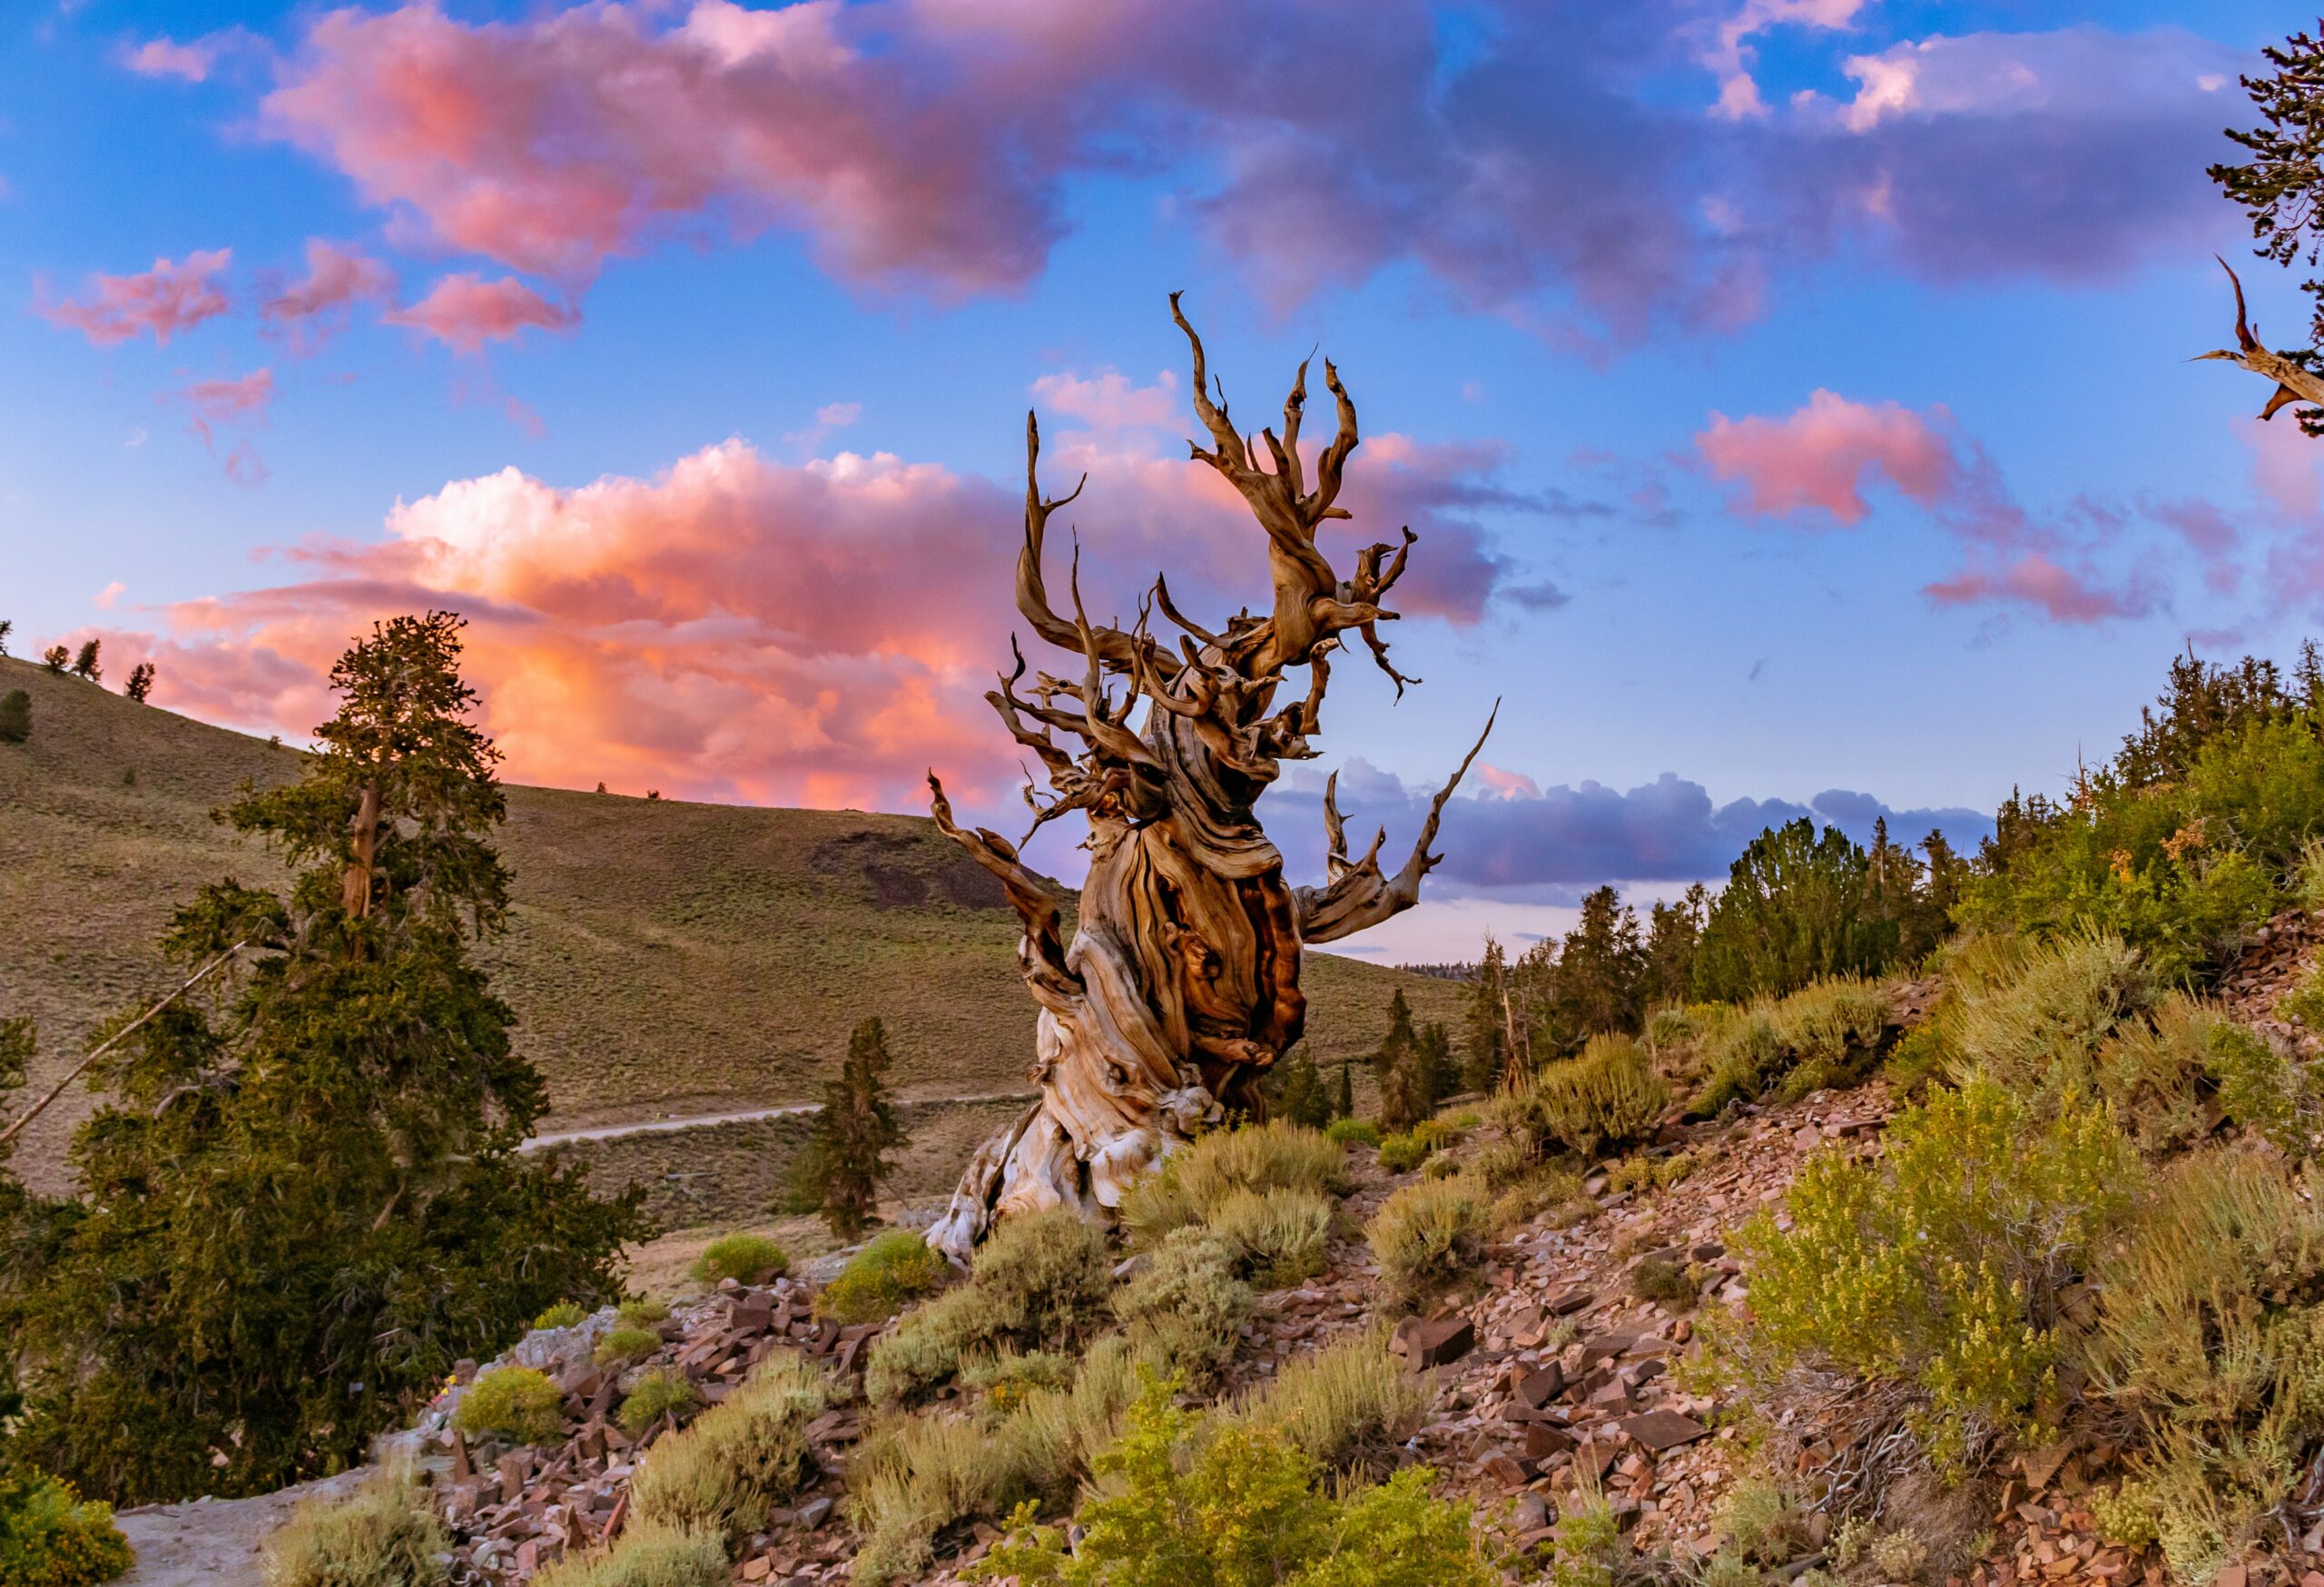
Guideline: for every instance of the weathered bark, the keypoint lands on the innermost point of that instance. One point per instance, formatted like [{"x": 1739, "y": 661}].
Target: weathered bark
[
  {"x": 1180, "y": 987},
  {"x": 2295, "y": 379}
]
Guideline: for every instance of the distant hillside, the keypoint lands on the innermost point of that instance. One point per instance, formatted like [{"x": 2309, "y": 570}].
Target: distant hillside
[{"x": 663, "y": 957}]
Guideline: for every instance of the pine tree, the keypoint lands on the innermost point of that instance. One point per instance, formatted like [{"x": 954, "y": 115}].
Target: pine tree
[
  {"x": 1439, "y": 1076},
  {"x": 303, "y": 1199},
  {"x": 1404, "y": 1099},
  {"x": 1797, "y": 906},
  {"x": 57, "y": 658},
  {"x": 84, "y": 666},
  {"x": 1296, "y": 1091},
  {"x": 7, "y": 626},
  {"x": 141, "y": 682},
  {"x": 1484, "y": 1021},
  {"x": 1600, "y": 973},
  {"x": 1347, "y": 1089},
  {"x": 846, "y": 1160},
  {"x": 1672, "y": 933}
]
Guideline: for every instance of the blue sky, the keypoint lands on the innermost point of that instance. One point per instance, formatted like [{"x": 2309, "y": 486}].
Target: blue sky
[{"x": 1542, "y": 255}]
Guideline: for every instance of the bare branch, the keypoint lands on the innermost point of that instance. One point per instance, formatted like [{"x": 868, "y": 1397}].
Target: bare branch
[
  {"x": 2295, "y": 380},
  {"x": 1357, "y": 896},
  {"x": 1033, "y": 895},
  {"x": 1032, "y": 590}
]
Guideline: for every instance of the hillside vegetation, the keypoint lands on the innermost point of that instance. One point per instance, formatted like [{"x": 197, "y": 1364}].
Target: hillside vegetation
[{"x": 662, "y": 956}]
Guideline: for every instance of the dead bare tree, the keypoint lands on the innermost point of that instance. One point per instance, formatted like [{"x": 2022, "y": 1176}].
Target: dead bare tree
[
  {"x": 1180, "y": 987},
  {"x": 2296, "y": 378}
]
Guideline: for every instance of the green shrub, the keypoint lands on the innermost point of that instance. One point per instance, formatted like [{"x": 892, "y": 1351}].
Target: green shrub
[
  {"x": 515, "y": 1402},
  {"x": 50, "y": 1537},
  {"x": 1606, "y": 1097},
  {"x": 623, "y": 1345},
  {"x": 2167, "y": 1074},
  {"x": 657, "y": 1392},
  {"x": 1039, "y": 1282},
  {"x": 741, "y": 1458},
  {"x": 1277, "y": 1236},
  {"x": 1927, "y": 1268},
  {"x": 1351, "y": 1130},
  {"x": 896, "y": 1268},
  {"x": 1824, "y": 1036},
  {"x": 1401, "y": 1154},
  {"x": 565, "y": 1314},
  {"x": 645, "y": 1555},
  {"x": 1196, "y": 1179},
  {"x": 15, "y": 716},
  {"x": 1234, "y": 1506},
  {"x": 641, "y": 1314},
  {"x": 1350, "y": 1405},
  {"x": 1186, "y": 1307},
  {"x": 1919, "y": 1057},
  {"x": 383, "y": 1534},
  {"x": 1428, "y": 1235},
  {"x": 1546, "y": 1187},
  {"x": 2210, "y": 1337},
  {"x": 742, "y": 1258}
]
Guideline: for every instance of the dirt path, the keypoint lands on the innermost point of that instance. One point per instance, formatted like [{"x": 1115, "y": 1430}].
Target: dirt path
[
  {"x": 214, "y": 1542},
  {"x": 556, "y": 1138}
]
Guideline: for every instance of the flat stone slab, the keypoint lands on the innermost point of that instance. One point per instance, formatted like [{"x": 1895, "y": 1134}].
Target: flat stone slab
[
  {"x": 1435, "y": 1342},
  {"x": 1661, "y": 1430}
]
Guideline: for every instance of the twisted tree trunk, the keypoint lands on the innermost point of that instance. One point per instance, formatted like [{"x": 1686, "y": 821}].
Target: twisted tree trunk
[{"x": 1180, "y": 987}]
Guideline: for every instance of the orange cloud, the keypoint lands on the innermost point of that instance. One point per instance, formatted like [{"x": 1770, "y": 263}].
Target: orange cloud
[
  {"x": 165, "y": 301},
  {"x": 741, "y": 628},
  {"x": 465, "y": 312}
]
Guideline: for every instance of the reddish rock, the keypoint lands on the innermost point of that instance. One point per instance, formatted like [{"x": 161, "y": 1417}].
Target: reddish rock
[
  {"x": 1542, "y": 1441},
  {"x": 1661, "y": 1430},
  {"x": 1435, "y": 1341},
  {"x": 1537, "y": 1389}
]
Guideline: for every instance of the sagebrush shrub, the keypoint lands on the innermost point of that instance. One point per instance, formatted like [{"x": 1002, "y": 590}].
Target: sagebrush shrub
[
  {"x": 51, "y": 1537},
  {"x": 1608, "y": 1096},
  {"x": 515, "y": 1402},
  {"x": 913, "y": 1476},
  {"x": 1006, "y": 1381},
  {"x": 565, "y": 1314},
  {"x": 896, "y": 1268},
  {"x": 1429, "y": 1234},
  {"x": 1763, "y": 1523},
  {"x": 656, "y": 1393},
  {"x": 1927, "y": 1268},
  {"x": 1351, "y": 1130},
  {"x": 2209, "y": 1336},
  {"x": 2166, "y": 1074},
  {"x": 741, "y": 1458},
  {"x": 640, "y": 1313},
  {"x": 647, "y": 1555},
  {"x": 1195, "y": 1179},
  {"x": 1186, "y": 1306},
  {"x": 383, "y": 1534},
  {"x": 1350, "y": 1405},
  {"x": 2036, "y": 1026},
  {"x": 1277, "y": 1236},
  {"x": 739, "y": 1256},
  {"x": 1040, "y": 1281}
]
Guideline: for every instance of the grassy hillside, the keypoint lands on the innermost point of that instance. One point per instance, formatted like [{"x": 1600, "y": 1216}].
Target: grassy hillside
[{"x": 663, "y": 957}]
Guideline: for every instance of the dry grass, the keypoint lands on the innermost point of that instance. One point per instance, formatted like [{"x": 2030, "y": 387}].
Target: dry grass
[
  {"x": 1350, "y": 1405},
  {"x": 757, "y": 938},
  {"x": 380, "y": 1535},
  {"x": 744, "y": 1455}
]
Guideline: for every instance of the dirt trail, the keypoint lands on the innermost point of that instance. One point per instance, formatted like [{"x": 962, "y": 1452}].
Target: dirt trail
[{"x": 556, "y": 1138}]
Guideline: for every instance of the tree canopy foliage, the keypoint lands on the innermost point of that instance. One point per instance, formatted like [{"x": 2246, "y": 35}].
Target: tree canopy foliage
[{"x": 302, "y": 1198}]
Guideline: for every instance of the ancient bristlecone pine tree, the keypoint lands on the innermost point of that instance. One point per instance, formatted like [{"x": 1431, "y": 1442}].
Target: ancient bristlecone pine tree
[{"x": 1181, "y": 984}]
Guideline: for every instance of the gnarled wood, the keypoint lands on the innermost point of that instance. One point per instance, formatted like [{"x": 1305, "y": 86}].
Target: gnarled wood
[
  {"x": 2295, "y": 379},
  {"x": 1180, "y": 987}
]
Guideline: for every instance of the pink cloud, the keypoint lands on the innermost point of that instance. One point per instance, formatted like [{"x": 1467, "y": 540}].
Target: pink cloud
[
  {"x": 1108, "y": 400},
  {"x": 164, "y": 57},
  {"x": 169, "y": 298},
  {"x": 1816, "y": 459},
  {"x": 310, "y": 310},
  {"x": 2284, "y": 467},
  {"x": 2033, "y": 580},
  {"x": 1500, "y": 785},
  {"x": 238, "y": 402},
  {"x": 737, "y": 627},
  {"x": 1817, "y": 456},
  {"x": 465, "y": 312}
]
